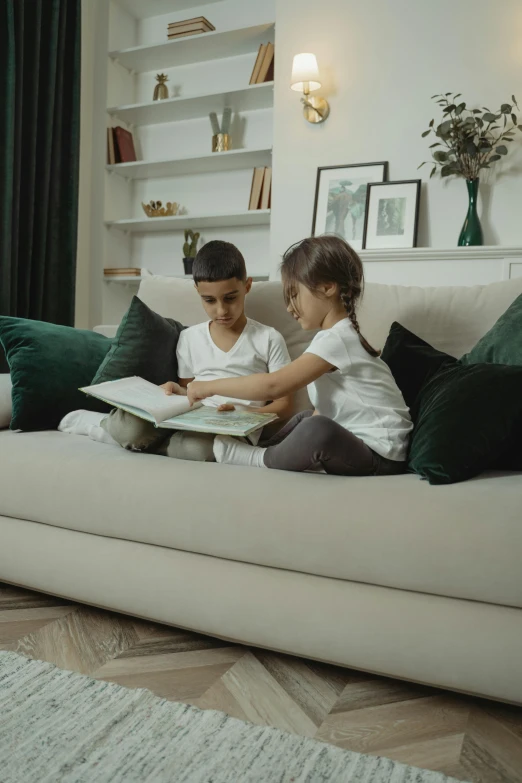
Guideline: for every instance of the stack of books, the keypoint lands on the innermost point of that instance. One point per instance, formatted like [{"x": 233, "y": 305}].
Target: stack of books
[
  {"x": 120, "y": 146},
  {"x": 261, "y": 190},
  {"x": 264, "y": 66},
  {"x": 189, "y": 27},
  {"x": 130, "y": 271}
]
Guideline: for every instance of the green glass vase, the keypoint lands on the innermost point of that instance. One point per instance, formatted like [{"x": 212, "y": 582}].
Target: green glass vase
[{"x": 471, "y": 233}]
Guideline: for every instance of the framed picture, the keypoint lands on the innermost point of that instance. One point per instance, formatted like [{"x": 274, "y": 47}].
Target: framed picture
[
  {"x": 340, "y": 199},
  {"x": 392, "y": 214}
]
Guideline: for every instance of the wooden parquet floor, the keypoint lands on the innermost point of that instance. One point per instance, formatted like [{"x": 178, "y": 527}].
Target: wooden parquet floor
[{"x": 469, "y": 738}]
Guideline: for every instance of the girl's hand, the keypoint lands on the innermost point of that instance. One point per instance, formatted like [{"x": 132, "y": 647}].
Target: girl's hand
[
  {"x": 172, "y": 388},
  {"x": 198, "y": 390}
]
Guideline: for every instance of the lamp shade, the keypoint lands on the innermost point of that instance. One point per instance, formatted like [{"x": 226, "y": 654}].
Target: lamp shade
[{"x": 305, "y": 71}]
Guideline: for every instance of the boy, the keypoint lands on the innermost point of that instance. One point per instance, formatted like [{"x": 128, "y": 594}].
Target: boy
[{"x": 229, "y": 345}]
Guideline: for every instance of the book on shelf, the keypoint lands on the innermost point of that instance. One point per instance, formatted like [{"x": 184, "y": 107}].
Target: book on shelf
[
  {"x": 195, "y": 19},
  {"x": 186, "y": 33},
  {"x": 127, "y": 271},
  {"x": 111, "y": 149},
  {"x": 266, "y": 71},
  {"x": 259, "y": 61},
  {"x": 194, "y": 26},
  {"x": 148, "y": 401},
  {"x": 255, "y": 190},
  {"x": 123, "y": 138},
  {"x": 263, "y": 70},
  {"x": 267, "y": 188},
  {"x": 120, "y": 146}
]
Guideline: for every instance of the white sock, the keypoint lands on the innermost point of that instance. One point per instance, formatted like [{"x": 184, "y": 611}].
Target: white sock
[
  {"x": 236, "y": 452},
  {"x": 86, "y": 423},
  {"x": 80, "y": 422}
]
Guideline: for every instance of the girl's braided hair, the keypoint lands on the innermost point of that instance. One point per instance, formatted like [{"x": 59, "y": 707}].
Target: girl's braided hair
[{"x": 326, "y": 259}]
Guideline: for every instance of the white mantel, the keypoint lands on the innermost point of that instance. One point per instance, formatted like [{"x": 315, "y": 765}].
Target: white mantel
[{"x": 425, "y": 266}]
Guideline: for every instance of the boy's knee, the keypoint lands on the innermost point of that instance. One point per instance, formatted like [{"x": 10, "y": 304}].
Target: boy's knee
[
  {"x": 193, "y": 446},
  {"x": 130, "y": 431}
]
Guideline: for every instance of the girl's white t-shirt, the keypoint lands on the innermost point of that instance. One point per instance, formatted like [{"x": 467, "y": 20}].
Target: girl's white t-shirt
[
  {"x": 258, "y": 349},
  {"x": 361, "y": 394}
]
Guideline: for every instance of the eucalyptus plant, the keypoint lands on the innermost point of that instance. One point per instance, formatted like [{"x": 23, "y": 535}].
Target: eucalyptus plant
[{"x": 469, "y": 140}]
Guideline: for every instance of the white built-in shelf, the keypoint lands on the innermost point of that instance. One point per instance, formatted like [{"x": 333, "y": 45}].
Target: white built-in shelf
[
  {"x": 442, "y": 254},
  {"x": 129, "y": 279},
  {"x": 254, "y": 217},
  {"x": 193, "y": 49},
  {"x": 190, "y": 107},
  {"x": 142, "y": 9},
  {"x": 194, "y": 164}
]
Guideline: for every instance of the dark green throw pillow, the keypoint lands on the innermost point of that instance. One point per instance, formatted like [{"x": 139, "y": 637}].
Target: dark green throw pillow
[
  {"x": 466, "y": 418},
  {"x": 412, "y": 361},
  {"x": 464, "y": 421},
  {"x": 48, "y": 363},
  {"x": 145, "y": 345},
  {"x": 503, "y": 343}
]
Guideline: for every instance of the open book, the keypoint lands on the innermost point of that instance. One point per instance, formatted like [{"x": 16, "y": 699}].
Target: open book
[{"x": 174, "y": 412}]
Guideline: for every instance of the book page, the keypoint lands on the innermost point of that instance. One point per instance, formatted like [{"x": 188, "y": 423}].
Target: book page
[
  {"x": 206, "y": 419},
  {"x": 141, "y": 394}
]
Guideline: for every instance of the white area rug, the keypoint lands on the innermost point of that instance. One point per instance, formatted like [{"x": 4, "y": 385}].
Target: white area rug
[{"x": 60, "y": 727}]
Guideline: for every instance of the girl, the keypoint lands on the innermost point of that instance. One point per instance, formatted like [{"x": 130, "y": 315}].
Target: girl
[{"x": 360, "y": 425}]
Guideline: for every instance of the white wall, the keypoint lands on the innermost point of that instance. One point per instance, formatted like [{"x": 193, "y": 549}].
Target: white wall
[
  {"x": 381, "y": 60},
  {"x": 89, "y": 264}
]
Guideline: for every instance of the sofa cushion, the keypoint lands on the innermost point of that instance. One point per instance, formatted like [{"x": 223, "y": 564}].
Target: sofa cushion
[
  {"x": 145, "y": 345},
  {"x": 462, "y": 540},
  {"x": 6, "y": 405},
  {"x": 48, "y": 364},
  {"x": 452, "y": 439},
  {"x": 464, "y": 419},
  {"x": 503, "y": 343},
  {"x": 451, "y": 318},
  {"x": 413, "y": 361}
]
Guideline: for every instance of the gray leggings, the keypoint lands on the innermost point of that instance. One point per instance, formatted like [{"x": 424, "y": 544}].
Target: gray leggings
[{"x": 310, "y": 442}]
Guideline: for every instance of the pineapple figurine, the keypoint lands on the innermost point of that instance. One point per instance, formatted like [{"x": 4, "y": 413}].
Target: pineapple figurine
[{"x": 161, "y": 91}]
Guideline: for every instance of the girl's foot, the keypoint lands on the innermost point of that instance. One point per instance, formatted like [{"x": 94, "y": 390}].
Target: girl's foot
[{"x": 235, "y": 452}]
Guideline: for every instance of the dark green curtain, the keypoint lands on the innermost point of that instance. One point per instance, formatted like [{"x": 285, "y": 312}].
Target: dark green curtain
[{"x": 39, "y": 157}]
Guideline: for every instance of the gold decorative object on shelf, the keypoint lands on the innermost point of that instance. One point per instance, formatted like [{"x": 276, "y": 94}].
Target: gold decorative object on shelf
[
  {"x": 156, "y": 209},
  {"x": 161, "y": 91},
  {"x": 220, "y": 142}
]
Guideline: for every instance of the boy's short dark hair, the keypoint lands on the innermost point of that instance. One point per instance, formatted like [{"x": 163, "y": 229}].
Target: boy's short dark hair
[{"x": 218, "y": 260}]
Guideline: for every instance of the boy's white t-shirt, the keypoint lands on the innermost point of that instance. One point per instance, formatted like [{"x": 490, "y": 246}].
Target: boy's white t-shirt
[
  {"x": 259, "y": 349},
  {"x": 361, "y": 395}
]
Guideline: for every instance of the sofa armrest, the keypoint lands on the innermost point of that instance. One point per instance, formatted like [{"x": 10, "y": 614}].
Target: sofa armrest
[
  {"x": 106, "y": 329},
  {"x": 5, "y": 400}
]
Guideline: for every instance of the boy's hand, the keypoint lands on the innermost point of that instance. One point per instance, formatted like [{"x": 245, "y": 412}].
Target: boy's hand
[{"x": 173, "y": 388}]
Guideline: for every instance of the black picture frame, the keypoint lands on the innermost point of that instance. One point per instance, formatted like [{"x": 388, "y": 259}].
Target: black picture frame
[
  {"x": 383, "y": 163},
  {"x": 393, "y": 183}
]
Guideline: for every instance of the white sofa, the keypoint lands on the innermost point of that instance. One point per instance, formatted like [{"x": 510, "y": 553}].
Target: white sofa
[{"x": 388, "y": 575}]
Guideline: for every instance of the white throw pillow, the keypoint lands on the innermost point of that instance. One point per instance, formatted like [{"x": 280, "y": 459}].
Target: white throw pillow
[{"x": 5, "y": 401}]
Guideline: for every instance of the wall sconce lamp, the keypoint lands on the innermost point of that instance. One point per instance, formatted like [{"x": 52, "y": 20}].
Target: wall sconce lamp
[{"x": 305, "y": 78}]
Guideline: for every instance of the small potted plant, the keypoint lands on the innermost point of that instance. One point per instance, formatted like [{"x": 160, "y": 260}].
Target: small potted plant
[
  {"x": 190, "y": 248},
  {"x": 469, "y": 140}
]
